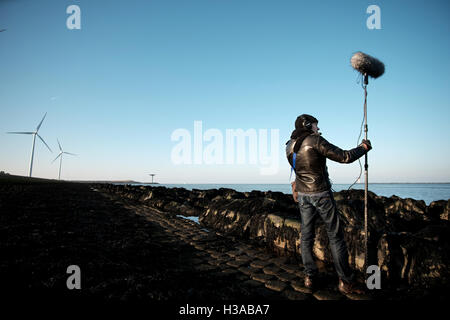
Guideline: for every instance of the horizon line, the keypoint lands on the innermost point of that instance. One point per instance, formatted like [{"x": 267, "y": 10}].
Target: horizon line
[
  {"x": 282, "y": 183},
  {"x": 213, "y": 183}
]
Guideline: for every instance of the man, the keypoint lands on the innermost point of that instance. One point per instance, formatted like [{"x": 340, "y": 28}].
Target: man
[{"x": 313, "y": 188}]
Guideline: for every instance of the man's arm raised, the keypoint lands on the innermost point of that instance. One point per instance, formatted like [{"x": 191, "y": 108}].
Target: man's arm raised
[{"x": 335, "y": 153}]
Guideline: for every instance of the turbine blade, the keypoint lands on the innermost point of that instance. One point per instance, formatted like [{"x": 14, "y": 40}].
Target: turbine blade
[
  {"x": 44, "y": 142},
  {"x": 21, "y": 132},
  {"x": 57, "y": 157},
  {"x": 40, "y": 123},
  {"x": 60, "y": 149},
  {"x": 72, "y": 154}
]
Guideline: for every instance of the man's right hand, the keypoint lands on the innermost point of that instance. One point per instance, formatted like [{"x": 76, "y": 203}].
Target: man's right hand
[{"x": 366, "y": 144}]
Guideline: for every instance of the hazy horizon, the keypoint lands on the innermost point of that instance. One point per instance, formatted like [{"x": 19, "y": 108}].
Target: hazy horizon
[{"x": 231, "y": 183}]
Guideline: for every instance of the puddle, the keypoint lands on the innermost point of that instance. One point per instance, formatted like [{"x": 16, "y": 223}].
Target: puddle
[{"x": 195, "y": 219}]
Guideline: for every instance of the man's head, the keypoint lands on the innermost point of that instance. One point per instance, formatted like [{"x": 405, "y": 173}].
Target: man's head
[{"x": 306, "y": 122}]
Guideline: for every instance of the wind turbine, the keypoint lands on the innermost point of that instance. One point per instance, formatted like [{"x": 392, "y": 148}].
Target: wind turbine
[
  {"x": 152, "y": 174},
  {"x": 34, "y": 133},
  {"x": 61, "y": 152}
]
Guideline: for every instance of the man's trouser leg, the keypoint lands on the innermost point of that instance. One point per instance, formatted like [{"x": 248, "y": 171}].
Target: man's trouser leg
[
  {"x": 307, "y": 216},
  {"x": 326, "y": 207}
]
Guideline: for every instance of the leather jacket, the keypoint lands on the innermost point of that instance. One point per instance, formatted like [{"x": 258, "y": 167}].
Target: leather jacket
[{"x": 310, "y": 164}]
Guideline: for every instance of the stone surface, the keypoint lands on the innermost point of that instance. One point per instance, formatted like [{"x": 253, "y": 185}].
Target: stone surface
[
  {"x": 244, "y": 258},
  {"x": 295, "y": 295},
  {"x": 197, "y": 261},
  {"x": 235, "y": 263},
  {"x": 252, "y": 253},
  {"x": 259, "y": 264},
  {"x": 353, "y": 296},
  {"x": 286, "y": 276},
  {"x": 234, "y": 253},
  {"x": 214, "y": 262},
  {"x": 420, "y": 259},
  {"x": 327, "y": 295},
  {"x": 230, "y": 271},
  {"x": 248, "y": 270},
  {"x": 241, "y": 277},
  {"x": 300, "y": 287},
  {"x": 407, "y": 238},
  {"x": 261, "y": 277},
  {"x": 253, "y": 283},
  {"x": 205, "y": 268},
  {"x": 278, "y": 261},
  {"x": 281, "y": 231},
  {"x": 216, "y": 254},
  {"x": 199, "y": 246},
  {"x": 126, "y": 254},
  {"x": 291, "y": 268},
  {"x": 224, "y": 259},
  {"x": 273, "y": 270},
  {"x": 276, "y": 285}
]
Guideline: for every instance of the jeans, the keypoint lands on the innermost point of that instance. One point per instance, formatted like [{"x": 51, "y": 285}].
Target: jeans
[{"x": 323, "y": 205}]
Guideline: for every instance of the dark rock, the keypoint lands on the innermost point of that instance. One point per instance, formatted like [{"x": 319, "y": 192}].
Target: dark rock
[
  {"x": 276, "y": 285},
  {"x": 295, "y": 295},
  {"x": 420, "y": 259},
  {"x": 327, "y": 295},
  {"x": 262, "y": 277},
  {"x": 407, "y": 239},
  {"x": 259, "y": 264},
  {"x": 286, "y": 276},
  {"x": 300, "y": 287},
  {"x": 272, "y": 270},
  {"x": 439, "y": 209}
]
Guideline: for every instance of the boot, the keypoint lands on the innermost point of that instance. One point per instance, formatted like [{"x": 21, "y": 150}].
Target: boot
[{"x": 309, "y": 282}]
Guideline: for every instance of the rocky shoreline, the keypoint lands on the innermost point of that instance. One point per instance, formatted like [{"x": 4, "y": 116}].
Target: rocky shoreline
[
  {"x": 408, "y": 240},
  {"x": 132, "y": 245}
]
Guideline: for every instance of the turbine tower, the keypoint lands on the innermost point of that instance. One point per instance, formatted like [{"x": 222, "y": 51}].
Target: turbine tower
[
  {"x": 152, "y": 174},
  {"x": 61, "y": 152},
  {"x": 34, "y": 134}
]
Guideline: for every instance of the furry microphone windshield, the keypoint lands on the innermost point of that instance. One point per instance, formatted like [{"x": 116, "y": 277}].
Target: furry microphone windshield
[{"x": 367, "y": 65}]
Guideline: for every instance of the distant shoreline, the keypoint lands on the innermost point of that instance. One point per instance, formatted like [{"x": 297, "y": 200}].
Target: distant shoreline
[
  {"x": 197, "y": 183},
  {"x": 426, "y": 191},
  {"x": 213, "y": 183}
]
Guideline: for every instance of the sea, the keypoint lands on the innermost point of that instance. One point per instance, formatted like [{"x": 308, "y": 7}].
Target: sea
[{"x": 427, "y": 192}]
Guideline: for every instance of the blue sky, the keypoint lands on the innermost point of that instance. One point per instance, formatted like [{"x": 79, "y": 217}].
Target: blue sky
[{"x": 136, "y": 71}]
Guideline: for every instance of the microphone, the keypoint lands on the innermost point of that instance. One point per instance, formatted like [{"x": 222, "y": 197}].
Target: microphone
[{"x": 367, "y": 65}]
